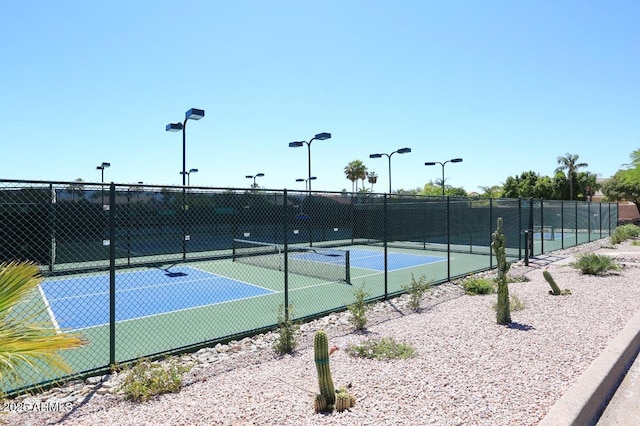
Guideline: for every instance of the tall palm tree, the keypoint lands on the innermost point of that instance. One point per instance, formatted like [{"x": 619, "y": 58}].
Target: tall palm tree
[
  {"x": 24, "y": 342},
  {"x": 355, "y": 171},
  {"x": 570, "y": 163}
]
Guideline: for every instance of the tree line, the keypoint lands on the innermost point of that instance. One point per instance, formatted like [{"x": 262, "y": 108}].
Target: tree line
[{"x": 570, "y": 182}]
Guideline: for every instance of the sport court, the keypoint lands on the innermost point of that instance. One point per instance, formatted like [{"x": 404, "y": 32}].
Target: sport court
[{"x": 142, "y": 294}]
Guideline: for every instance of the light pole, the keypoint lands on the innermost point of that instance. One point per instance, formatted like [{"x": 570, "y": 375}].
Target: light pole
[
  {"x": 192, "y": 114},
  {"x": 254, "y": 178},
  {"x": 101, "y": 167},
  {"x": 305, "y": 181},
  {"x": 433, "y": 163},
  {"x": 320, "y": 137},
  {"x": 189, "y": 175},
  {"x": 399, "y": 151}
]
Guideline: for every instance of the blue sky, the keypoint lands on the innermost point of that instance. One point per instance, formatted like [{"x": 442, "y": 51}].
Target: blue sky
[{"x": 507, "y": 85}]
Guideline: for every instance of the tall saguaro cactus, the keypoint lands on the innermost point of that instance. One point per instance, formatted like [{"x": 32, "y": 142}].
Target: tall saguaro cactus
[
  {"x": 498, "y": 243},
  {"x": 321, "y": 356}
]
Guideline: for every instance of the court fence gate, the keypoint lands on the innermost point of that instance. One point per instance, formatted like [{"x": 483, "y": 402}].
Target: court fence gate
[{"x": 149, "y": 271}]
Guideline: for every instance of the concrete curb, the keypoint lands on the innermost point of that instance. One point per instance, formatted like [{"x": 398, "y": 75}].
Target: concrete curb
[{"x": 586, "y": 400}]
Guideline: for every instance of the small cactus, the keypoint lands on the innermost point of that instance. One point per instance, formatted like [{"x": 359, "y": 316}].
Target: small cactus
[
  {"x": 555, "y": 289},
  {"x": 343, "y": 402},
  {"x": 320, "y": 404},
  {"x": 321, "y": 356}
]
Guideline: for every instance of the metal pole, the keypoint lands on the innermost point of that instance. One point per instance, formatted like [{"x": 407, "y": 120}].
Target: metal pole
[
  {"x": 443, "y": 177},
  {"x": 309, "y": 163},
  {"x": 112, "y": 275},
  {"x": 389, "y": 156}
]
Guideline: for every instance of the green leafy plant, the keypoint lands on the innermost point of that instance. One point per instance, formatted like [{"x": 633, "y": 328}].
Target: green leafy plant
[
  {"x": 146, "y": 379},
  {"x": 473, "y": 285},
  {"x": 26, "y": 341},
  {"x": 383, "y": 348},
  {"x": 624, "y": 232},
  {"x": 595, "y": 264},
  {"x": 286, "y": 342},
  {"x": 359, "y": 308},
  {"x": 416, "y": 290}
]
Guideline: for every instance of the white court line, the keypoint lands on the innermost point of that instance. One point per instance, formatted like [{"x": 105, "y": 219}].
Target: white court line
[{"x": 49, "y": 310}]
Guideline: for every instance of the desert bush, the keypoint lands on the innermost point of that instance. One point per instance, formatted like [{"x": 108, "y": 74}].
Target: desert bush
[
  {"x": 416, "y": 290},
  {"x": 146, "y": 379},
  {"x": 473, "y": 285},
  {"x": 286, "y": 341},
  {"x": 359, "y": 309},
  {"x": 384, "y": 348},
  {"x": 595, "y": 264},
  {"x": 624, "y": 232}
]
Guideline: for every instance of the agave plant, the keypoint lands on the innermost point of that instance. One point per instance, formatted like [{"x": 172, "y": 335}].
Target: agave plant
[{"x": 25, "y": 342}]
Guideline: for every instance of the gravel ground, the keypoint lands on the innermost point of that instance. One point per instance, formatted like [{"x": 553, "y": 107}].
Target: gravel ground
[{"x": 468, "y": 370}]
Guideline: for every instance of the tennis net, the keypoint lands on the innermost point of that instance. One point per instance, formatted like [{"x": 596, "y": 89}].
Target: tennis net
[{"x": 326, "y": 263}]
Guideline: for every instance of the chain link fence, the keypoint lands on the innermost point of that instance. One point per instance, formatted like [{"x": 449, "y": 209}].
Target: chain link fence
[{"x": 144, "y": 270}]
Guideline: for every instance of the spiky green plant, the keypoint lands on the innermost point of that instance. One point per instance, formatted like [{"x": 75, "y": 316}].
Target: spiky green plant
[
  {"x": 321, "y": 357},
  {"x": 359, "y": 308},
  {"x": 286, "y": 341},
  {"x": 25, "y": 341},
  {"x": 498, "y": 243},
  {"x": 416, "y": 290},
  {"x": 595, "y": 264}
]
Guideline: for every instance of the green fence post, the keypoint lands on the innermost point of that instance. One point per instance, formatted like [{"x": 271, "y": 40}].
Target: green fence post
[
  {"x": 285, "y": 220},
  {"x": 384, "y": 240},
  {"x": 112, "y": 274}
]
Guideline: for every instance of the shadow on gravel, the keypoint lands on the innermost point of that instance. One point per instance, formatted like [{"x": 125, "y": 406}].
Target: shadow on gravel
[{"x": 521, "y": 327}]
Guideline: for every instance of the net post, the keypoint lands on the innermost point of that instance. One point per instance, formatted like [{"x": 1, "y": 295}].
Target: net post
[
  {"x": 347, "y": 261},
  {"x": 527, "y": 238}
]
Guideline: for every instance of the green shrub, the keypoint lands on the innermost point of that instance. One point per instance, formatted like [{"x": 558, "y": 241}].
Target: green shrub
[
  {"x": 416, "y": 290},
  {"x": 595, "y": 264},
  {"x": 359, "y": 308},
  {"x": 286, "y": 341},
  {"x": 475, "y": 285},
  {"x": 147, "y": 379},
  {"x": 624, "y": 232},
  {"x": 384, "y": 348}
]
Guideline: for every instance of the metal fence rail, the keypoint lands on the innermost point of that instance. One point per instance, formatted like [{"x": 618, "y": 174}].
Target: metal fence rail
[{"x": 144, "y": 270}]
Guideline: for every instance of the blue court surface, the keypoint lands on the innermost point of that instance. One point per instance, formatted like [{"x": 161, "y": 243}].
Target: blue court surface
[
  {"x": 374, "y": 260},
  {"x": 548, "y": 236},
  {"x": 82, "y": 302},
  {"x": 368, "y": 259}
]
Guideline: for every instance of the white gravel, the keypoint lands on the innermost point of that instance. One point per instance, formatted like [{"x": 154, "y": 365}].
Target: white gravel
[{"x": 468, "y": 370}]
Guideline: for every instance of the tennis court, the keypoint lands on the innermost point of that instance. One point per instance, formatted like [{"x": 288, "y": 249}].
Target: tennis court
[{"x": 139, "y": 294}]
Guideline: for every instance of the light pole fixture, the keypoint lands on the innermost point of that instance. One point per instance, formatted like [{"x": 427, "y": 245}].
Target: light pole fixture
[
  {"x": 101, "y": 167},
  {"x": 399, "y": 151},
  {"x": 433, "y": 163},
  {"x": 305, "y": 181},
  {"x": 192, "y": 114},
  {"x": 189, "y": 175},
  {"x": 254, "y": 178},
  {"x": 320, "y": 137}
]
